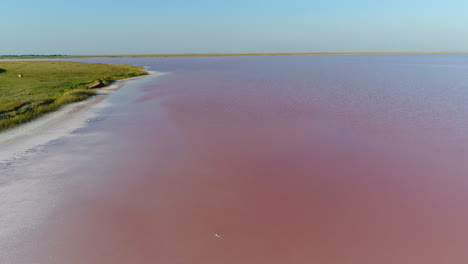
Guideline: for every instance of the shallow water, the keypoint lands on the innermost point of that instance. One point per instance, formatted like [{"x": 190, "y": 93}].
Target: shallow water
[{"x": 305, "y": 159}]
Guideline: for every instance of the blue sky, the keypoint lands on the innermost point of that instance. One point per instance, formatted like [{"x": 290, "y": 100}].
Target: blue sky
[{"x": 204, "y": 26}]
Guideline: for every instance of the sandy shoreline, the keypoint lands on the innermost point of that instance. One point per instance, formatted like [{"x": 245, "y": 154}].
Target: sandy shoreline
[
  {"x": 29, "y": 197},
  {"x": 33, "y": 133}
]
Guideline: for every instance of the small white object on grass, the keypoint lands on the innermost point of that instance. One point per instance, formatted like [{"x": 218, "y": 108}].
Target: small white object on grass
[{"x": 217, "y": 235}]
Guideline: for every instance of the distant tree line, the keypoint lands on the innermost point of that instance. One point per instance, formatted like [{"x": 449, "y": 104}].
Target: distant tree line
[{"x": 32, "y": 55}]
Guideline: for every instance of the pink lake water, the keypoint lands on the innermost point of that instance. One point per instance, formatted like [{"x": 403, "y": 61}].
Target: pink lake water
[{"x": 301, "y": 159}]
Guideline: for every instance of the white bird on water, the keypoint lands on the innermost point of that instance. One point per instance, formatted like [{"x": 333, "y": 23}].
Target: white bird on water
[{"x": 217, "y": 235}]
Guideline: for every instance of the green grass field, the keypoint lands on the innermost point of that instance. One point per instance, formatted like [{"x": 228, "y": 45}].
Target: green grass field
[{"x": 44, "y": 86}]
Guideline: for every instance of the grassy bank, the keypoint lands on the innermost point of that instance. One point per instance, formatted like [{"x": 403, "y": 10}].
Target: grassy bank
[{"x": 29, "y": 89}]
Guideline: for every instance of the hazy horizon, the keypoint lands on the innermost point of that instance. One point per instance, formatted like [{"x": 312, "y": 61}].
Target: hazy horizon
[
  {"x": 208, "y": 26},
  {"x": 231, "y": 53}
]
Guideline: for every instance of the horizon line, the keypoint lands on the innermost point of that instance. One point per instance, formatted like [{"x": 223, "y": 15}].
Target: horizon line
[{"x": 229, "y": 54}]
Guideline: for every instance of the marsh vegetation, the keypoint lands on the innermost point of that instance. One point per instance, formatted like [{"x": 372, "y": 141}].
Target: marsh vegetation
[{"x": 29, "y": 89}]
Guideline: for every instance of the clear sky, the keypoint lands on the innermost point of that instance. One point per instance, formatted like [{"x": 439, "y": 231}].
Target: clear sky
[{"x": 206, "y": 26}]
